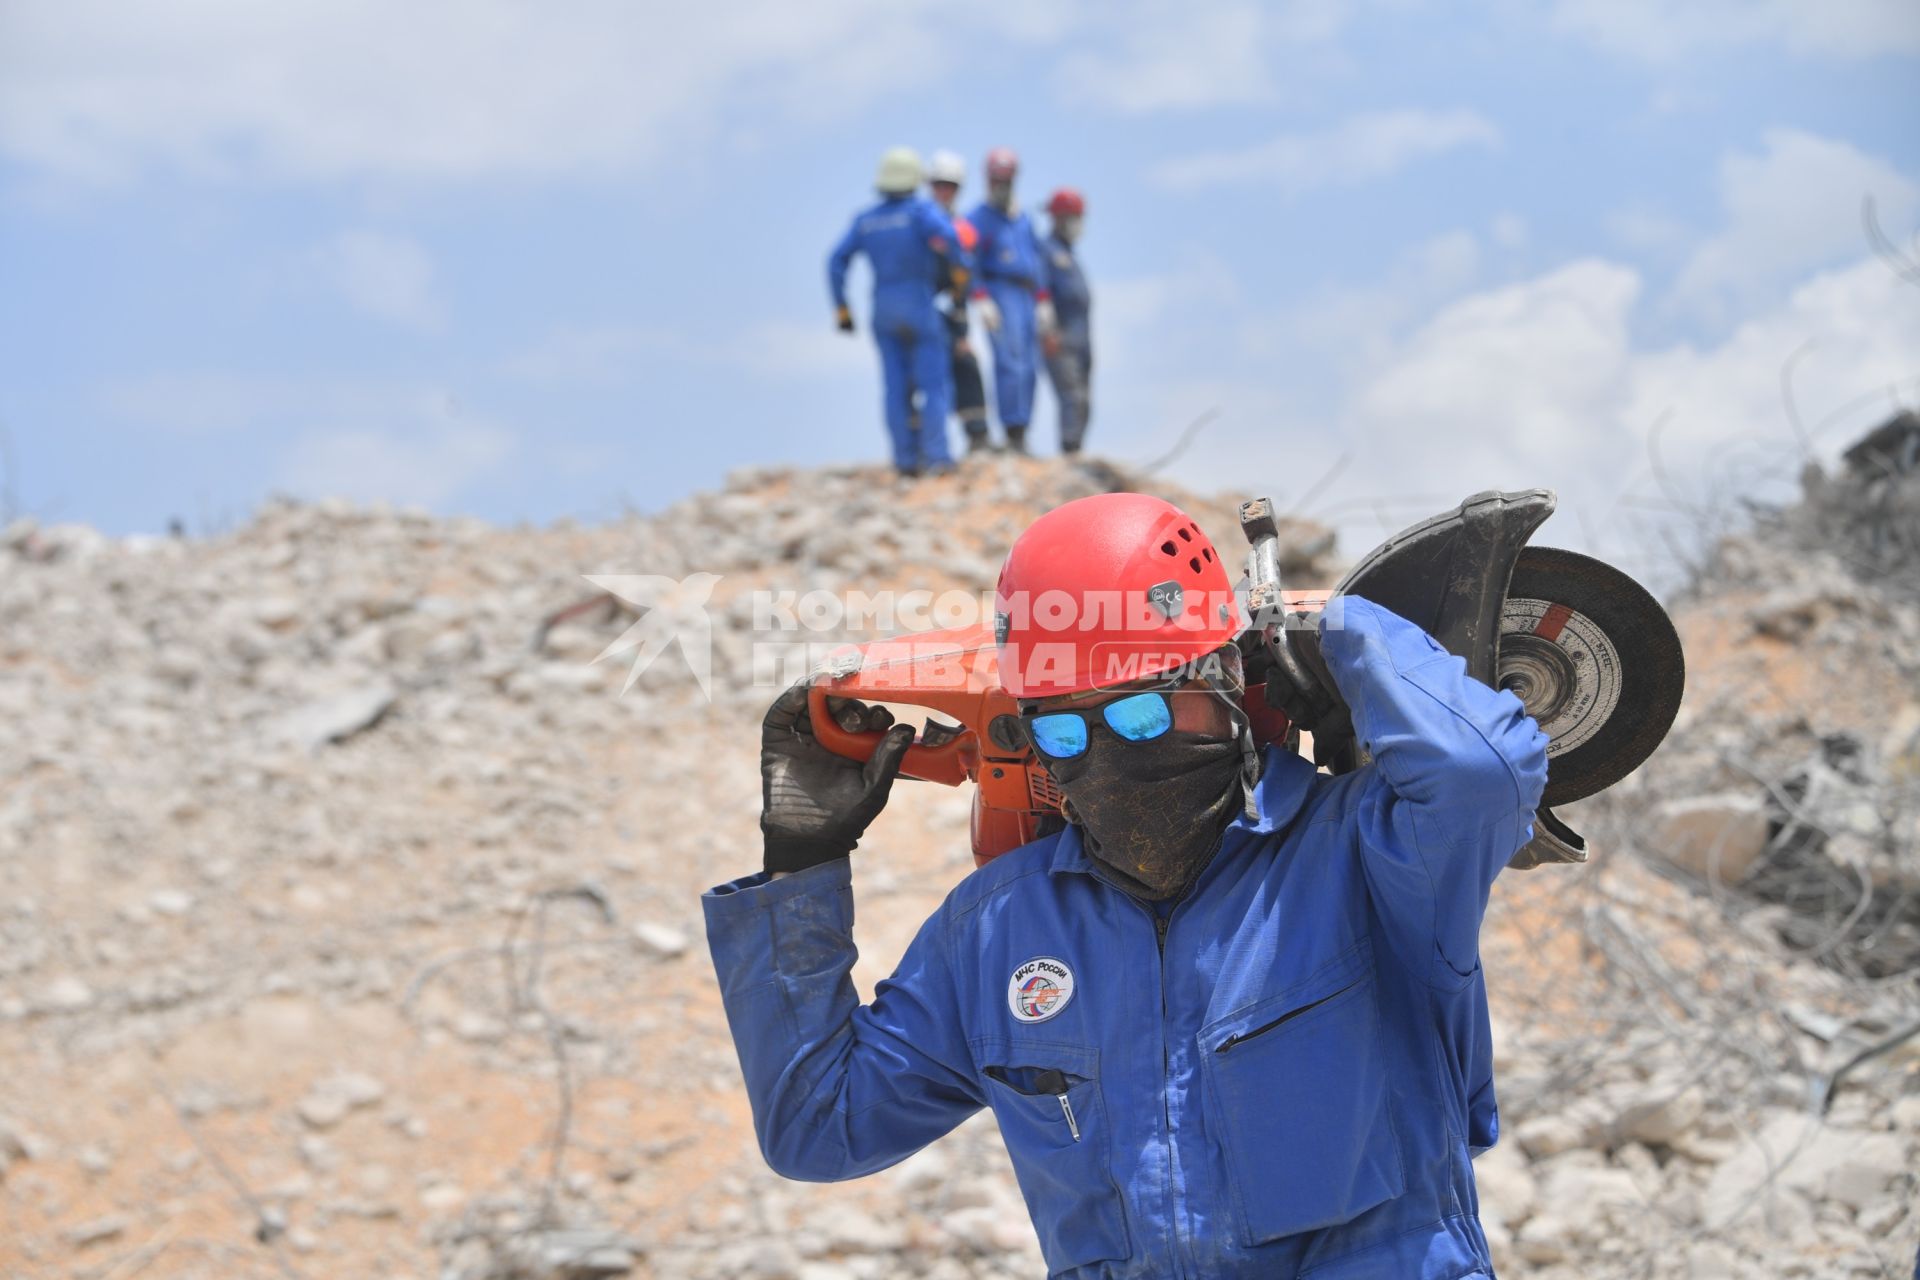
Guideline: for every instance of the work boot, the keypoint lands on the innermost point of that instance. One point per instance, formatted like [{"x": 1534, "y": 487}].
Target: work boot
[
  {"x": 978, "y": 441},
  {"x": 1017, "y": 439}
]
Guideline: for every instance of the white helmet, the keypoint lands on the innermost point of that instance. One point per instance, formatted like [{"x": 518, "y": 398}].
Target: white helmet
[
  {"x": 899, "y": 171},
  {"x": 947, "y": 166}
]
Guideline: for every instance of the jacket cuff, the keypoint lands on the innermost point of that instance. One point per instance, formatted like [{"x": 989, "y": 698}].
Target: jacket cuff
[{"x": 760, "y": 891}]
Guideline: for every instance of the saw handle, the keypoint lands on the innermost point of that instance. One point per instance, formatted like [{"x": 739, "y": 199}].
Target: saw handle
[{"x": 946, "y": 762}]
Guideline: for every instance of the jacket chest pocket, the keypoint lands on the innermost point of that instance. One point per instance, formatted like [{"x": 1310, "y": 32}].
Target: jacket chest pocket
[
  {"x": 1297, "y": 1090},
  {"x": 1053, "y": 1119}
]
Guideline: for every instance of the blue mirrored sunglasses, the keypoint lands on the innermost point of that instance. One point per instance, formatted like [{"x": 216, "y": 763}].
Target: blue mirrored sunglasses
[{"x": 1138, "y": 717}]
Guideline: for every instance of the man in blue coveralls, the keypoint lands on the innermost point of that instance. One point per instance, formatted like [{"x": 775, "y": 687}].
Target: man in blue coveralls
[
  {"x": 909, "y": 242},
  {"x": 1008, "y": 292},
  {"x": 1231, "y": 1020},
  {"x": 1068, "y": 341}
]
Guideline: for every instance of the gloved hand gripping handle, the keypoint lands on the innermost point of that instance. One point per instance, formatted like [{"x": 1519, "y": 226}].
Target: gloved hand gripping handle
[
  {"x": 943, "y": 761},
  {"x": 1297, "y": 681}
]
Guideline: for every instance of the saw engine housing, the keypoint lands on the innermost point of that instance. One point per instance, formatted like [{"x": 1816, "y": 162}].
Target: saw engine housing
[{"x": 1588, "y": 651}]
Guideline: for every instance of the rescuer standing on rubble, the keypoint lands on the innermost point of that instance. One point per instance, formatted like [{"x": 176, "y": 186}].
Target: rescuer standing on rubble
[
  {"x": 911, "y": 246},
  {"x": 1010, "y": 294},
  {"x": 946, "y": 174},
  {"x": 1068, "y": 344},
  {"x": 1231, "y": 1019}
]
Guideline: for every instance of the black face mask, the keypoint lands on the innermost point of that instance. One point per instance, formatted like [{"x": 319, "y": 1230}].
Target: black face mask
[{"x": 1152, "y": 813}]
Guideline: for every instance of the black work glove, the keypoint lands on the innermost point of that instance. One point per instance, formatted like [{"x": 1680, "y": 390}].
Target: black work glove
[
  {"x": 1299, "y": 682},
  {"x": 815, "y": 805},
  {"x": 843, "y": 319}
]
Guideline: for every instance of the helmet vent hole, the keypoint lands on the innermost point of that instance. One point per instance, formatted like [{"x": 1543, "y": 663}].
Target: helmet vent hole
[
  {"x": 1186, "y": 535},
  {"x": 1194, "y": 564},
  {"x": 1206, "y": 553},
  {"x": 1169, "y": 548}
]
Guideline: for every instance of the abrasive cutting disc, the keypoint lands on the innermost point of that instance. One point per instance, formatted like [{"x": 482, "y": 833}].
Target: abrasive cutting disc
[{"x": 1596, "y": 661}]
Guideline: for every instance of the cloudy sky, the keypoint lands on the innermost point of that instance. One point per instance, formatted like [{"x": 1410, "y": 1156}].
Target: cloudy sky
[{"x": 531, "y": 261}]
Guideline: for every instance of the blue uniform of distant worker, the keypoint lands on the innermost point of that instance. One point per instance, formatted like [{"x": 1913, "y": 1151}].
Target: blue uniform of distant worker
[
  {"x": 909, "y": 242},
  {"x": 1285, "y": 1072},
  {"x": 1011, "y": 274},
  {"x": 1067, "y": 286},
  {"x": 1069, "y": 347},
  {"x": 1010, "y": 278}
]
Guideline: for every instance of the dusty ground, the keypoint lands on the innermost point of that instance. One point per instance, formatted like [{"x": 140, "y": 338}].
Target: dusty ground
[{"x": 275, "y": 1005}]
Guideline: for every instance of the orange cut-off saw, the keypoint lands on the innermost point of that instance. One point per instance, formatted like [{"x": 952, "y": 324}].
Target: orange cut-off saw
[{"x": 1588, "y": 651}]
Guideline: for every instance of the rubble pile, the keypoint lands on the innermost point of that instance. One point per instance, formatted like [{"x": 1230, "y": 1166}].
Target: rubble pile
[
  {"x": 1868, "y": 516},
  {"x": 349, "y": 918},
  {"x": 1717, "y": 1072},
  {"x": 1794, "y": 776},
  {"x": 349, "y": 909}
]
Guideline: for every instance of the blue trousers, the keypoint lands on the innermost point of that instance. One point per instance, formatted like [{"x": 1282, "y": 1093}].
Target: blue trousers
[
  {"x": 1016, "y": 353},
  {"x": 913, "y": 355}
]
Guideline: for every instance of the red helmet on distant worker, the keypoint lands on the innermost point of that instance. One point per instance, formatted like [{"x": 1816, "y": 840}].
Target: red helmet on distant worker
[
  {"x": 1067, "y": 203},
  {"x": 1002, "y": 164},
  {"x": 1106, "y": 590}
]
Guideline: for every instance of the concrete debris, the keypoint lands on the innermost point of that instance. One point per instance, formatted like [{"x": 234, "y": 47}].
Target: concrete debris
[
  {"x": 1659, "y": 1113},
  {"x": 65, "y": 994},
  {"x": 98, "y": 1230},
  {"x": 335, "y": 718},
  {"x": 333, "y": 1098},
  {"x": 1716, "y": 837},
  {"x": 1793, "y": 1154},
  {"x": 1803, "y": 636},
  {"x": 297, "y": 849},
  {"x": 660, "y": 940}
]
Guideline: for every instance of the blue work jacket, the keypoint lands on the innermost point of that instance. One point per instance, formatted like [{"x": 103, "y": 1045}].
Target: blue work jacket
[
  {"x": 909, "y": 241},
  {"x": 1072, "y": 300},
  {"x": 1286, "y": 1075},
  {"x": 1008, "y": 251}
]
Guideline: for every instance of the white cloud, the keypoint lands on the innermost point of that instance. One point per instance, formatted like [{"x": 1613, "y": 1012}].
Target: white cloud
[
  {"x": 1853, "y": 336},
  {"x": 788, "y": 349},
  {"x": 1358, "y": 149},
  {"x": 1663, "y": 31},
  {"x": 197, "y": 403},
  {"x": 1645, "y": 230},
  {"x": 1543, "y": 383},
  {"x": 1173, "y": 57},
  {"x": 1793, "y": 207},
  {"x": 386, "y": 276},
  {"x": 1351, "y": 328},
  {"x": 596, "y": 354},
  {"x": 439, "y": 89},
  {"x": 1511, "y": 379},
  {"x": 1510, "y": 231},
  {"x": 1136, "y": 57},
  {"x": 419, "y": 464},
  {"x": 1546, "y": 381},
  {"x": 435, "y": 90},
  {"x": 615, "y": 353},
  {"x": 398, "y": 442}
]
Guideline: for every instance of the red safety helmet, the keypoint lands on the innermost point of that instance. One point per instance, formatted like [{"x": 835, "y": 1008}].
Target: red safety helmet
[
  {"x": 1107, "y": 590},
  {"x": 1002, "y": 164},
  {"x": 1066, "y": 202}
]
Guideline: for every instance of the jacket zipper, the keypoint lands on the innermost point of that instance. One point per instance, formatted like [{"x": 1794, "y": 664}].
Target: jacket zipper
[
  {"x": 1160, "y": 923},
  {"x": 1241, "y": 1037}
]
